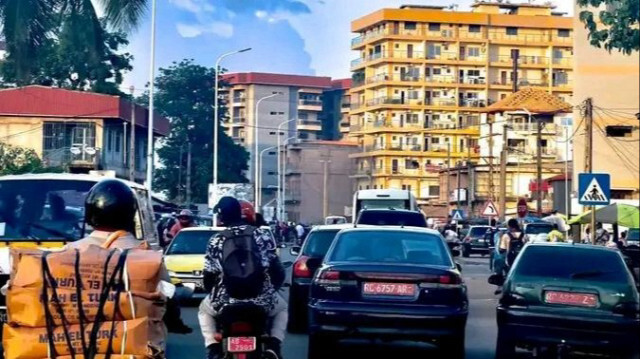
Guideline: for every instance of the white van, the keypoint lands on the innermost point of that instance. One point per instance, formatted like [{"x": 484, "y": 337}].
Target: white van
[{"x": 384, "y": 199}]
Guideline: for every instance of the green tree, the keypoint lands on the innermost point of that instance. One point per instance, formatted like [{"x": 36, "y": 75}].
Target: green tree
[
  {"x": 616, "y": 27},
  {"x": 18, "y": 160},
  {"x": 31, "y": 27},
  {"x": 184, "y": 94}
]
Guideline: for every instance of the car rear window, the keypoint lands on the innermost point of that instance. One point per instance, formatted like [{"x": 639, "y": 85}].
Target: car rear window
[
  {"x": 392, "y": 218},
  {"x": 391, "y": 247},
  {"x": 318, "y": 242},
  {"x": 571, "y": 263},
  {"x": 191, "y": 242},
  {"x": 478, "y": 231},
  {"x": 538, "y": 228}
]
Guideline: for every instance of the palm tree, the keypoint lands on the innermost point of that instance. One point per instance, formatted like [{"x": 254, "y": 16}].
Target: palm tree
[{"x": 29, "y": 26}]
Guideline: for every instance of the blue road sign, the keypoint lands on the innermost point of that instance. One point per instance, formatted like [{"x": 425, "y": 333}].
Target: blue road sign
[
  {"x": 594, "y": 189},
  {"x": 457, "y": 215}
]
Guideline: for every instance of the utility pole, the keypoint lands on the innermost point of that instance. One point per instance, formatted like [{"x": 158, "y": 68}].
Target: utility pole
[
  {"x": 470, "y": 188},
  {"x": 491, "y": 188},
  {"x": 180, "y": 176},
  {"x": 539, "y": 166},
  {"x": 503, "y": 173},
  {"x": 515, "y": 56},
  {"x": 448, "y": 174},
  {"x": 188, "y": 173},
  {"x": 132, "y": 140},
  {"x": 325, "y": 186},
  {"x": 588, "y": 163}
]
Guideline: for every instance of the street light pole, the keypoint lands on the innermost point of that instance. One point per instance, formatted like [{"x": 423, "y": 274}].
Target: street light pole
[
  {"x": 260, "y": 178},
  {"x": 216, "y": 124},
  {"x": 256, "y": 154},
  {"x": 152, "y": 65},
  {"x": 278, "y": 193}
]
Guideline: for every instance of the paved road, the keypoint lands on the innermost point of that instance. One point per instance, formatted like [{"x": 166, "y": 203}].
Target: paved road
[{"x": 480, "y": 339}]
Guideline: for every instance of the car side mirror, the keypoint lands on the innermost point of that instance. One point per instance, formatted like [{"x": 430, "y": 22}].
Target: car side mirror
[
  {"x": 294, "y": 251},
  {"x": 496, "y": 279},
  {"x": 455, "y": 252},
  {"x": 459, "y": 266}
]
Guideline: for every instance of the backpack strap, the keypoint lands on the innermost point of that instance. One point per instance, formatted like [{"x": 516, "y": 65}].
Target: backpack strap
[{"x": 113, "y": 237}]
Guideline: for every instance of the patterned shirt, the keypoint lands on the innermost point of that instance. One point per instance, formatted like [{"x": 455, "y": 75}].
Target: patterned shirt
[{"x": 213, "y": 264}]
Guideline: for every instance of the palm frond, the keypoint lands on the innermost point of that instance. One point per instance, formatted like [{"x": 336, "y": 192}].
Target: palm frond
[{"x": 124, "y": 15}]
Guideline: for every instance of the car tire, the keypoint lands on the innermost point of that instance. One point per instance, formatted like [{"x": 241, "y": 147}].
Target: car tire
[
  {"x": 453, "y": 347},
  {"x": 320, "y": 347},
  {"x": 505, "y": 347}
]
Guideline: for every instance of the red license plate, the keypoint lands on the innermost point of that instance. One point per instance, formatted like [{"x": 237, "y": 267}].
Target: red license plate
[
  {"x": 389, "y": 289},
  {"x": 241, "y": 344},
  {"x": 576, "y": 299}
]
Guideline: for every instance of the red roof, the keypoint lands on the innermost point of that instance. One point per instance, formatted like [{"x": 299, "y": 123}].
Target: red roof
[
  {"x": 342, "y": 84},
  {"x": 45, "y": 101},
  {"x": 261, "y": 78}
]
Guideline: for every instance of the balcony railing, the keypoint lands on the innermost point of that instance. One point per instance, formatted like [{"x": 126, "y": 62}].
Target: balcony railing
[
  {"x": 357, "y": 62},
  {"x": 521, "y": 38},
  {"x": 309, "y": 123},
  {"x": 473, "y": 80},
  {"x": 440, "y": 102},
  {"x": 471, "y": 35},
  {"x": 303, "y": 102},
  {"x": 472, "y": 102},
  {"x": 239, "y": 100},
  {"x": 523, "y": 82},
  {"x": 393, "y": 147},
  {"x": 522, "y": 60},
  {"x": 239, "y": 119},
  {"x": 567, "y": 83},
  {"x": 72, "y": 157},
  {"x": 562, "y": 61}
]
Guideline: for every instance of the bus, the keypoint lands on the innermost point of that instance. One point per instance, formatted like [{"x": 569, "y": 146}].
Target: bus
[{"x": 383, "y": 198}]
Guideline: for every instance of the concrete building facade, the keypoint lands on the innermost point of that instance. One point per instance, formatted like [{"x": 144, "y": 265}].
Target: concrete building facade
[
  {"x": 424, "y": 75},
  {"x": 612, "y": 81},
  {"x": 307, "y": 166}
]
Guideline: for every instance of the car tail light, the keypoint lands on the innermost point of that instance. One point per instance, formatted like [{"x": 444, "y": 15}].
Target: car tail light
[
  {"x": 328, "y": 277},
  {"x": 300, "y": 268},
  {"x": 241, "y": 327},
  {"x": 450, "y": 279}
]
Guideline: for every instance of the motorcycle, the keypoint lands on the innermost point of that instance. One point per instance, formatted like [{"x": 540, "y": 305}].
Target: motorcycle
[{"x": 243, "y": 330}]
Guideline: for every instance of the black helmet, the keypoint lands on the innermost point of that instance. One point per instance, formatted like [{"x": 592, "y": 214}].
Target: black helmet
[
  {"x": 229, "y": 211},
  {"x": 111, "y": 204}
]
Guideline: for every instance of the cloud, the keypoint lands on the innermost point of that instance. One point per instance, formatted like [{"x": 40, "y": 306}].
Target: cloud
[
  {"x": 261, "y": 14},
  {"x": 194, "y": 6},
  {"x": 251, "y": 6},
  {"x": 221, "y": 29}
]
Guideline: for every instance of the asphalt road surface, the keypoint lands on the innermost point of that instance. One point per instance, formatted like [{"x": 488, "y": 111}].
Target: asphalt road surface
[{"x": 480, "y": 335}]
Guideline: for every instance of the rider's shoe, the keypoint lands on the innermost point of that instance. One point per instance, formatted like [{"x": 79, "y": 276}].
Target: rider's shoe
[
  {"x": 214, "y": 351},
  {"x": 274, "y": 346}
]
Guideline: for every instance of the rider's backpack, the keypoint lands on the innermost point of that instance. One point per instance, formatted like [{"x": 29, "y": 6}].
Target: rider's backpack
[
  {"x": 515, "y": 246},
  {"x": 243, "y": 274}
]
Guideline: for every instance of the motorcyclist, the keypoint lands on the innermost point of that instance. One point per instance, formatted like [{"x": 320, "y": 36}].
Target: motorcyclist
[
  {"x": 111, "y": 206},
  {"x": 231, "y": 213},
  {"x": 185, "y": 220}
]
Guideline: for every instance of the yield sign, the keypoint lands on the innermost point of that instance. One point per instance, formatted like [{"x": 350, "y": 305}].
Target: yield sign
[{"x": 490, "y": 210}]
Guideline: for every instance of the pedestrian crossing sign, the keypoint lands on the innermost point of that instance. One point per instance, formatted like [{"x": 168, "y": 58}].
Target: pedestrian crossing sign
[
  {"x": 457, "y": 215},
  {"x": 594, "y": 189}
]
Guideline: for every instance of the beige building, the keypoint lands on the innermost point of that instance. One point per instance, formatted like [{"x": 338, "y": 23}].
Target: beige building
[
  {"x": 611, "y": 80},
  {"x": 308, "y": 197},
  {"x": 425, "y": 73}
]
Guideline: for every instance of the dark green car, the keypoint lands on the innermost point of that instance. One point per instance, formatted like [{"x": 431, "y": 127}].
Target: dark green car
[{"x": 569, "y": 298}]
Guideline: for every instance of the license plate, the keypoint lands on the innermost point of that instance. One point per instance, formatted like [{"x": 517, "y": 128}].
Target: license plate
[
  {"x": 389, "y": 289},
  {"x": 241, "y": 344},
  {"x": 575, "y": 299}
]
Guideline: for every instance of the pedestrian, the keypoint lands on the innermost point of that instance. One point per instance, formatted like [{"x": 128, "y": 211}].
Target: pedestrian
[
  {"x": 512, "y": 242},
  {"x": 602, "y": 235},
  {"x": 185, "y": 220},
  {"x": 555, "y": 235}
]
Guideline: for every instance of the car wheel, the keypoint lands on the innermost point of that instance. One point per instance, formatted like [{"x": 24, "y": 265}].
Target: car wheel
[
  {"x": 453, "y": 347},
  {"x": 320, "y": 347},
  {"x": 505, "y": 347}
]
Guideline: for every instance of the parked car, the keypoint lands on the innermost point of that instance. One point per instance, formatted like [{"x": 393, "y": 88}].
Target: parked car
[
  {"x": 392, "y": 217},
  {"x": 309, "y": 258},
  {"x": 475, "y": 241},
  {"x": 537, "y": 231},
  {"x": 568, "y": 297},
  {"x": 388, "y": 283},
  {"x": 184, "y": 257}
]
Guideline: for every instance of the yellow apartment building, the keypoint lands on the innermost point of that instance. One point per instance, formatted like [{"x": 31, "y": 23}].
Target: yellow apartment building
[{"x": 424, "y": 74}]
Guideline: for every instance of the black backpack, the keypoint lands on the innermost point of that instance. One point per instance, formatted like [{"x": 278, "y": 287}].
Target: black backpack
[
  {"x": 243, "y": 274},
  {"x": 515, "y": 246}
]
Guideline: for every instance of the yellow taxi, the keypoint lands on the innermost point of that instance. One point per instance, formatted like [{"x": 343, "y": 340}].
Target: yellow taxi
[{"x": 184, "y": 257}]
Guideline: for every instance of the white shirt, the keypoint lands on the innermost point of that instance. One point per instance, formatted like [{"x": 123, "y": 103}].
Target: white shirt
[{"x": 300, "y": 230}]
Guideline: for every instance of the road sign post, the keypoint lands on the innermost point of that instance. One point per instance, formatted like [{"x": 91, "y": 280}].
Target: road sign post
[
  {"x": 594, "y": 189},
  {"x": 490, "y": 210}
]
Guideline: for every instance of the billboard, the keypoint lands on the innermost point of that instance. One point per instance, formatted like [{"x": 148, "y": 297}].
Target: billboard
[{"x": 237, "y": 190}]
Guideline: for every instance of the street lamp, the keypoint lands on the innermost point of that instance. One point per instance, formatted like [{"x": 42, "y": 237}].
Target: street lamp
[
  {"x": 259, "y": 199},
  {"x": 152, "y": 65},
  {"x": 281, "y": 176},
  {"x": 256, "y": 155},
  {"x": 216, "y": 125}
]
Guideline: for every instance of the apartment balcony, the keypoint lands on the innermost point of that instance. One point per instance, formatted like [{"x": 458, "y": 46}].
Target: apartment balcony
[
  {"x": 562, "y": 62},
  {"x": 239, "y": 101},
  {"x": 310, "y": 105},
  {"x": 392, "y": 101},
  {"x": 563, "y": 85},
  {"x": 357, "y": 62},
  {"x": 472, "y": 81},
  {"x": 238, "y": 120},
  {"x": 523, "y": 61},
  {"x": 303, "y": 125},
  {"x": 472, "y": 103},
  {"x": 356, "y": 105},
  {"x": 441, "y": 102},
  {"x": 466, "y": 35},
  {"x": 508, "y": 84},
  {"x": 524, "y": 39},
  {"x": 76, "y": 157},
  {"x": 532, "y": 127},
  {"x": 393, "y": 147}
]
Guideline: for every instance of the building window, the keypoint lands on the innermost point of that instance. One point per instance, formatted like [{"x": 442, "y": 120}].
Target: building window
[
  {"x": 303, "y": 116},
  {"x": 619, "y": 131},
  {"x": 434, "y": 27},
  {"x": 411, "y": 164},
  {"x": 410, "y": 25},
  {"x": 564, "y": 32},
  {"x": 474, "y": 73},
  {"x": 474, "y": 52},
  {"x": 437, "y": 71},
  {"x": 433, "y": 51},
  {"x": 435, "y": 140},
  {"x": 367, "y": 187},
  {"x": 434, "y": 191},
  {"x": 512, "y": 31},
  {"x": 474, "y": 28}
]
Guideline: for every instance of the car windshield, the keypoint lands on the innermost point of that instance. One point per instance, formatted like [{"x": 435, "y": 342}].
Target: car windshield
[
  {"x": 392, "y": 218},
  {"x": 571, "y": 263},
  {"x": 318, "y": 243},
  {"x": 401, "y": 247},
  {"x": 190, "y": 242},
  {"x": 478, "y": 231},
  {"x": 538, "y": 228},
  {"x": 43, "y": 209}
]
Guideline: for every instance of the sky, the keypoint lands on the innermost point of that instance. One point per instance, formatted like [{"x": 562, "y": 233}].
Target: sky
[{"x": 309, "y": 37}]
